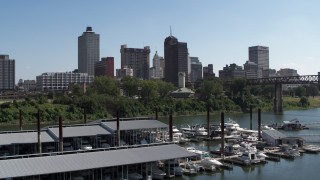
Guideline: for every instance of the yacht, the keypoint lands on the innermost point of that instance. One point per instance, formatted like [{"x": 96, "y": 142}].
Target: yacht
[
  {"x": 199, "y": 154},
  {"x": 249, "y": 157}
]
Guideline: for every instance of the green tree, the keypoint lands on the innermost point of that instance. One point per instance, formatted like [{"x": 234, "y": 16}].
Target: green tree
[
  {"x": 104, "y": 85},
  {"x": 130, "y": 86},
  {"x": 300, "y": 91},
  {"x": 312, "y": 90},
  {"x": 237, "y": 86}
]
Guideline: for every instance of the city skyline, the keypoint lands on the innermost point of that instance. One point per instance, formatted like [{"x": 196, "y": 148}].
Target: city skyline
[{"x": 42, "y": 36}]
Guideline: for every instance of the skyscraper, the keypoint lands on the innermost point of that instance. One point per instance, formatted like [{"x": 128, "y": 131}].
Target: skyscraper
[
  {"x": 88, "y": 51},
  {"x": 137, "y": 59},
  {"x": 260, "y": 56},
  {"x": 7, "y": 73},
  {"x": 157, "y": 71},
  {"x": 176, "y": 60},
  {"x": 196, "y": 69}
]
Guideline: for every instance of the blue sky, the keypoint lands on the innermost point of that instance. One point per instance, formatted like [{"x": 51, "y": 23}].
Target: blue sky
[{"x": 42, "y": 35}]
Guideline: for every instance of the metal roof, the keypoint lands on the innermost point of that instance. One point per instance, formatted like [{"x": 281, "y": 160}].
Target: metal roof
[
  {"x": 274, "y": 134},
  {"x": 132, "y": 125},
  {"x": 78, "y": 131},
  {"x": 90, "y": 160},
  {"x": 24, "y": 137}
]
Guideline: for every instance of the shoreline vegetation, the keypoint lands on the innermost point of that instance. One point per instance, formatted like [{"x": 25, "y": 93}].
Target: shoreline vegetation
[{"x": 104, "y": 98}]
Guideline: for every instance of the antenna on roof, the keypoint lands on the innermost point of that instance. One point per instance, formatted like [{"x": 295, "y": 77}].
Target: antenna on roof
[{"x": 170, "y": 31}]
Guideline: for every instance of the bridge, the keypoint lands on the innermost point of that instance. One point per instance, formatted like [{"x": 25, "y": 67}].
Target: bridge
[{"x": 278, "y": 81}]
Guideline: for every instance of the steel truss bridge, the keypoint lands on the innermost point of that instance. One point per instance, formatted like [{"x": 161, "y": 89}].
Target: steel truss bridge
[{"x": 278, "y": 81}]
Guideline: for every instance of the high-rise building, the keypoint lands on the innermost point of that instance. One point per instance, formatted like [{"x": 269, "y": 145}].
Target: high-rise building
[
  {"x": 105, "y": 67},
  {"x": 7, "y": 73},
  {"x": 260, "y": 56},
  {"x": 157, "y": 71},
  {"x": 88, "y": 51},
  {"x": 231, "y": 72},
  {"x": 208, "y": 71},
  {"x": 176, "y": 60},
  {"x": 196, "y": 69},
  {"x": 137, "y": 59}
]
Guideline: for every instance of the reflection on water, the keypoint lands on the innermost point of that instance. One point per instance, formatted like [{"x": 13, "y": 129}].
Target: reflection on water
[{"x": 303, "y": 167}]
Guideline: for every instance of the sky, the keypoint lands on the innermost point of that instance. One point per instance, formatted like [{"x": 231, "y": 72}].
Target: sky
[{"x": 42, "y": 36}]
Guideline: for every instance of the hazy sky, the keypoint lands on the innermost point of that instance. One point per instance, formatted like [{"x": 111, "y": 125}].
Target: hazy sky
[{"x": 42, "y": 36}]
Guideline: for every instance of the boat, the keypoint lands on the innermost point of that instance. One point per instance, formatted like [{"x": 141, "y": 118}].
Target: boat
[
  {"x": 232, "y": 149},
  {"x": 189, "y": 168},
  {"x": 231, "y": 125},
  {"x": 194, "y": 130},
  {"x": 249, "y": 157},
  {"x": 199, "y": 154},
  {"x": 311, "y": 148},
  {"x": 293, "y": 124},
  {"x": 210, "y": 161}
]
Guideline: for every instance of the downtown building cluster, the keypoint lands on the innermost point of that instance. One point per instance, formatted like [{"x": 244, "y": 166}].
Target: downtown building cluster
[{"x": 135, "y": 62}]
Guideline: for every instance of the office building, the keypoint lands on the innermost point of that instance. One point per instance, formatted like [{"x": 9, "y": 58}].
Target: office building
[
  {"x": 196, "y": 69},
  {"x": 260, "y": 56},
  {"x": 60, "y": 81},
  {"x": 208, "y": 71},
  {"x": 88, "y": 51},
  {"x": 176, "y": 60},
  {"x": 231, "y": 72},
  {"x": 157, "y": 71},
  {"x": 105, "y": 67},
  {"x": 136, "y": 59},
  {"x": 7, "y": 73},
  {"x": 251, "y": 70},
  {"x": 124, "y": 72}
]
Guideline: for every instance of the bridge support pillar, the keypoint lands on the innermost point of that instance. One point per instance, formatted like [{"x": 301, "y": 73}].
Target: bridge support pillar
[{"x": 278, "y": 101}]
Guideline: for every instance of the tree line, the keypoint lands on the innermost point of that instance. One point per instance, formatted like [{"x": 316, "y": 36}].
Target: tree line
[{"x": 134, "y": 97}]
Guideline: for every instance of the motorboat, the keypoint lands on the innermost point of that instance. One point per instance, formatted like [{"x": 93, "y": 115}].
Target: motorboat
[
  {"x": 231, "y": 125},
  {"x": 293, "y": 124},
  {"x": 199, "y": 154},
  {"x": 232, "y": 149},
  {"x": 210, "y": 162},
  {"x": 249, "y": 157}
]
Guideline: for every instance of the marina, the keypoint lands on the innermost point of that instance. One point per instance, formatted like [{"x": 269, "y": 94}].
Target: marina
[{"x": 109, "y": 147}]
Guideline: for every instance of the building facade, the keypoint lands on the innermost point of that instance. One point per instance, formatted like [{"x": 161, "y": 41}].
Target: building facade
[
  {"x": 60, "y": 81},
  {"x": 157, "y": 71},
  {"x": 208, "y": 71},
  {"x": 7, "y": 73},
  {"x": 196, "y": 69},
  {"x": 88, "y": 51},
  {"x": 105, "y": 67},
  {"x": 260, "y": 56},
  {"x": 251, "y": 70},
  {"x": 176, "y": 60},
  {"x": 136, "y": 59},
  {"x": 124, "y": 72},
  {"x": 232, "y": 71}
]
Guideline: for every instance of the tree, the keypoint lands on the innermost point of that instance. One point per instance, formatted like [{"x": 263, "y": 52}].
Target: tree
[
  {"x": 148, "y": 90},
  {"x": 210, "y": 87},
  {"x": 238, "y": 86},
  {"x": 104, "y": 85},
  {"x": 130, "y": 86},
  {"x": 300, "y": 91},
  {"x": 164, "y": 88},
  {"x": 304, "y": 101},
  {"x": 312, "y": 90}
]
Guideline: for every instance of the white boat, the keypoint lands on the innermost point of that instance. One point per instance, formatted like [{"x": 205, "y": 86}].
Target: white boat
[
  {"x": 210, "y": 162},
  {"x": 199, "y": 154},
  {"x": 249, "y": 157},
  {"x": 232, "y": 149},
  {"x": 194, "y": 130},
  {"x": 231, "y": 125}
]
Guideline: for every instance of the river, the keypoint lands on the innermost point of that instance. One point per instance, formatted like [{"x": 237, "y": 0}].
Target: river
[{"x": 304, "y": 167}]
